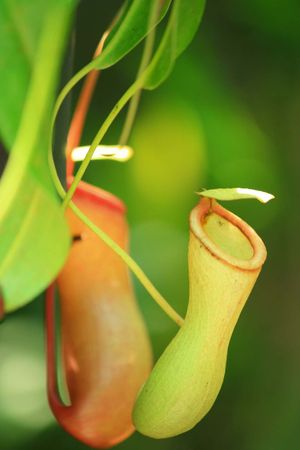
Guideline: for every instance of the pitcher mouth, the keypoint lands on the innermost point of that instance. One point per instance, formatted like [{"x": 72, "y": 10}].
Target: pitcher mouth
[
  {"x": 100, "y": 196},
  {"x": 251, "y": 252}
]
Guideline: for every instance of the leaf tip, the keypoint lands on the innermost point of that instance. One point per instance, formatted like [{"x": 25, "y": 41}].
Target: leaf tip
[{"x": 263, "y": 197}]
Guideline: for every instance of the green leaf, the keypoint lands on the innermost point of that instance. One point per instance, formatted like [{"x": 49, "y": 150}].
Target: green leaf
[
  {"x": 236, "y": 194},
  {"x": 182, "y": 26},
  {"x": 129, "y": 31},
  {"x": 35, "y": 236},
  {"x": 20, "y": 27},
  {"x": 35, "y": 246}
]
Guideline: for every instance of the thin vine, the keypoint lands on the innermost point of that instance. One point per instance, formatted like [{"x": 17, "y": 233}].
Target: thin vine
[
  {"x": 134, "y": 102},
  {"x": 67, "y": 196}
]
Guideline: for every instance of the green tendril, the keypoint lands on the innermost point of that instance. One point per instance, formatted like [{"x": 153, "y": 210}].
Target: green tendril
[{"x": 132, "y": 93}]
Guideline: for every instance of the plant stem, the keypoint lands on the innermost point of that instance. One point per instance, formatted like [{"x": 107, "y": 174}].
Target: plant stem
[
  {"x": 133, "y": 266},
  {"x": 134, "y": 102},
  {"x": 81, "y": 109},
  {"x": 132, "y": 93},
  {"x": 99, "y": 136},
  {"x": 133, "y": 89}
]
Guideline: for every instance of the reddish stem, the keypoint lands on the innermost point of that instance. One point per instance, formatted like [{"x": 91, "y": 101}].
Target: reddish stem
[{"x": 81, "y": 110}]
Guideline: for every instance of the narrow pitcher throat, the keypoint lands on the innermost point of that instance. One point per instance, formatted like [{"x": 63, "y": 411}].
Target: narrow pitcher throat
[{"x": 227, "y": 237}]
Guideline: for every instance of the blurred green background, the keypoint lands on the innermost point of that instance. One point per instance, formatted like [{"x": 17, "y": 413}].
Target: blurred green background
[{"x": 229, "y": 115}]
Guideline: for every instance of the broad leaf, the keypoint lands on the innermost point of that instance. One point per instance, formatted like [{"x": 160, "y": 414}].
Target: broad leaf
[
  {"x": 20, "y": 27},
  {"x": 236, "y": 194},
  {"x": 34, "y": 235}
]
